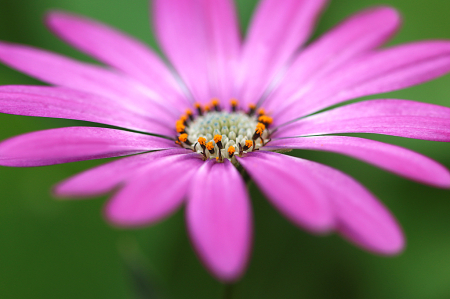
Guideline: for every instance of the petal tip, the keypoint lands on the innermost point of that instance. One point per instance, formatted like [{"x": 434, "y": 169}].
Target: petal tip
[
  {"x": 394, "y": 248},
  {"x": 444, "y": 181},
  {"x": 62, "y": 191},
  {"x": 117, "y": 219},
  {"x": 58, "y": 192},
  {"x": 226, "y": 270}
]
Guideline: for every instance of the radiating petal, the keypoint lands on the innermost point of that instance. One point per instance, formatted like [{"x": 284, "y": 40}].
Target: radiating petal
[
  {"x": 63, "y": 71},
  {"x": 72, "y": 144},
  {"x": 389, "y": 117},
  {"x": 219, "y": 219},
  {"x": 359, "y": 33},
  {"x": 201, "y": 39},
  {"x": 59, "y": 102},
  {"x": 359, "y": 215},
  {"x": 277, "y": 30},
  {"x": 290, "y": 189},
  {"x": 116, "y": 49},
  {"x": 153, "y": 192},
  {"x": 388, "y": 70},
  {"x": 106, "y": 177},
  {"x": 392, "y": 158}
]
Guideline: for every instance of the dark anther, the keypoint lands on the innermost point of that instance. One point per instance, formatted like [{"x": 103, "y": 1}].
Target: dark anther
[
  {"x": 199, "y": 109},
  {"x": 256, "y": 136},
  {"x": 241, "y": 150}
]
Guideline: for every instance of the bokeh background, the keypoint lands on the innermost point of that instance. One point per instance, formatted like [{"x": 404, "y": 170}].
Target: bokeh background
[{"x": 64, "y": 249}]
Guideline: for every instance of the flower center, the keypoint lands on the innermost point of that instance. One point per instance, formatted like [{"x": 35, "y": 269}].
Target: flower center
[{"x": 219, "y": 134}]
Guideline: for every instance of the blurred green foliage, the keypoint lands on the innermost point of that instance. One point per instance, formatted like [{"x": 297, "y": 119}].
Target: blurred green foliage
[{"x": 64, "y": 249}]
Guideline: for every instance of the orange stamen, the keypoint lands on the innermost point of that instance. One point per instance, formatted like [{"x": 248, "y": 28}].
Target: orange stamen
[
  {"x": 183, "y": 137},
  {"x": 231, "y": 151},
  {"x": 179, "y": 126},
  {"x": 260, "y": 127},
  {"x": 199, "y": 108},
  {"x": 215, "y": 102},
  {"x": 234, "y": 104},
  {"x": 202, "y": 140},
  {"x": 265, "y": 119},
  {"x": 210, "y": 146},
  {"x": 217, "y": 138}
]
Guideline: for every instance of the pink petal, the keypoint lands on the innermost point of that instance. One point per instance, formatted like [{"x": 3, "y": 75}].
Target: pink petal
[
  {"x": 359, "y": 33},
  {"x": 116, "y": 49},
  {"x": 71, "y": 144},
  {"x": 105, "y": 178},
  {"x": 62, "y": 71},
  {"x": 359, "y": 215},
  {"x": 153, "y": 192},
  {"x": 59, "y": 102},
  {"x": 201, "y": 39},
  {"x": 290, "y": 189},
  {"x": 383, "y": 71},
  {"x": 219, "y": 219},
  {"x": 389, "y": 117},
  {"x": 392, "y": 158},
  {"x": 277, "y": 30}
]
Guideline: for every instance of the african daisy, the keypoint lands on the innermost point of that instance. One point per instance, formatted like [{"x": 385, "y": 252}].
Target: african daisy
[{"x": 227, "y": 107}]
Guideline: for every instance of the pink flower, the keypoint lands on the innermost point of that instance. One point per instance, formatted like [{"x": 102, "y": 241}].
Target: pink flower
[{"x": 217, "y": 140}]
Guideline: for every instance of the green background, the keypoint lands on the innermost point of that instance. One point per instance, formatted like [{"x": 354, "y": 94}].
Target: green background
[{"x": 64, "y": 249}]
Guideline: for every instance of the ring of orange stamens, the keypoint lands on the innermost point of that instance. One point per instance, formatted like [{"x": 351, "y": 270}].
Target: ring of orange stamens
[{"x": 223, "y": 134}]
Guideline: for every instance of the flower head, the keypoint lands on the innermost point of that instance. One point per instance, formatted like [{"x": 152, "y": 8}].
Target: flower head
[{"x": 232, "y": 105}]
